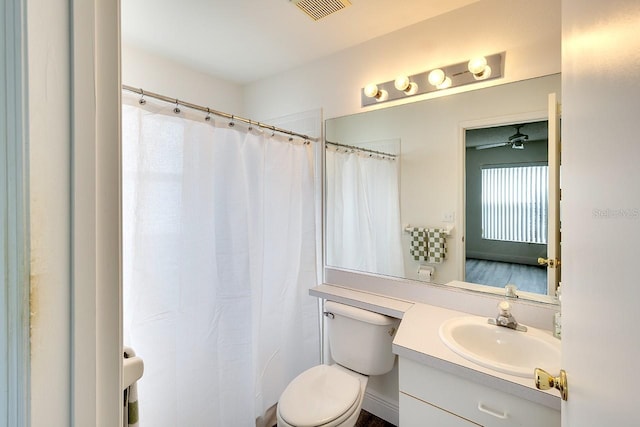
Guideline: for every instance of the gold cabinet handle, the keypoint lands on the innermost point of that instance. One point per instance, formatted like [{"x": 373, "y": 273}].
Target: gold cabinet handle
[{"x": 544, "y": 381}]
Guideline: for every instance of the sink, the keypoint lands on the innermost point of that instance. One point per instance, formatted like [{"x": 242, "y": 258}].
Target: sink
[{"x": 499, "y": 348}]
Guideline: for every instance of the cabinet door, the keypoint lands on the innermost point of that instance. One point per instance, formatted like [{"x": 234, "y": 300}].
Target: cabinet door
[
  {"x": 470, "y": 400},
  {"x": 416, "y": 413}
]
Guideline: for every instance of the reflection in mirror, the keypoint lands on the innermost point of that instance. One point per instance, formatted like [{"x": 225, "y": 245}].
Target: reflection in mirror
[
  {"x": 430, "y": 162},
  {"x": 506, "y": 205},
  {"x": 363, "y": 207}
]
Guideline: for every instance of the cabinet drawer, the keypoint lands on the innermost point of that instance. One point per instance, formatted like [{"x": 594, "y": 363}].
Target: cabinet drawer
[
  {"x": 416, "y": 413},
  {"x": 480, "y": 404}
]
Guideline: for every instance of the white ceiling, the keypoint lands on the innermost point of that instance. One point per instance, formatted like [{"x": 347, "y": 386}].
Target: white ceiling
[{"x": 247, "y": 40}]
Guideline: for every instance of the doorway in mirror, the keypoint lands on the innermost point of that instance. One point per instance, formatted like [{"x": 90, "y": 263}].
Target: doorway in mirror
[{"x": 506, "y": 205}]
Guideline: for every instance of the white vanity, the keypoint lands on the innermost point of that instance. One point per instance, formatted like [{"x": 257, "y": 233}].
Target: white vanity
[
  {"x": 440, "y": 388},
  {"x": 437, "y": 386}
]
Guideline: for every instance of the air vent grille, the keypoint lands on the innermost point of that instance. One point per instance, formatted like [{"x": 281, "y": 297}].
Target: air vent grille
[{"x": 318, "y": 9}]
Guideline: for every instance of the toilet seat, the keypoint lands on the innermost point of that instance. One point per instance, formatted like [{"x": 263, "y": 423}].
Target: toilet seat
[{"x": 320, "y": 396}]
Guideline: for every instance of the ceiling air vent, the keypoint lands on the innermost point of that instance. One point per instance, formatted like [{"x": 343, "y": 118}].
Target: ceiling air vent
[{"x": 318, "y": 9}]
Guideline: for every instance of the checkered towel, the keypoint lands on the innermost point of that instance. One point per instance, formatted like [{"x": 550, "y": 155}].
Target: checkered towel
[{"x": 428, "y": 244}]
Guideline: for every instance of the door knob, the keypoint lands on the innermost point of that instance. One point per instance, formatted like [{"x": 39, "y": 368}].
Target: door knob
[
  {"x": 552, "y": 263},
  {"x": 544, "y": 381}
]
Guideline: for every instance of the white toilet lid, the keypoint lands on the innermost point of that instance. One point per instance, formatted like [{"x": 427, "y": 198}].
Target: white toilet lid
[{"x": 318, "y": 396}]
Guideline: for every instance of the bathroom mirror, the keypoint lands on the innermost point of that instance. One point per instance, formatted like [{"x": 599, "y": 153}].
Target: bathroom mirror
[{"x": 417, "y": 179}]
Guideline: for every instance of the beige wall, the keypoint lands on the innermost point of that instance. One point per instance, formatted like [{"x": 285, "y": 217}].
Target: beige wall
[{"x": 146, "y": 70}]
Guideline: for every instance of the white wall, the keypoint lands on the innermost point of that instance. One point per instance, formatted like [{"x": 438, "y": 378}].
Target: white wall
[
  {"x": 529, "y": 32},
  {"x": 142, "y": 69},
  {"x": 600, "y": 211}
]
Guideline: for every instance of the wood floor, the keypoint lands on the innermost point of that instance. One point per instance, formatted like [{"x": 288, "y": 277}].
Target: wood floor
[
  {"x": 529, "y": 278},
  {"x": 369, "y": 420}
]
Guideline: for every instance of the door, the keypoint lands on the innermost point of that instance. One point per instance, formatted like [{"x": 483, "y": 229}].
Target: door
[
  {"x": 553, "y": 228},
  {"x": 600, "y": 212}
]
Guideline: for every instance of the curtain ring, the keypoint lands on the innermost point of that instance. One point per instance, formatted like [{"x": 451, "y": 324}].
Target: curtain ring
[
  {"x": 142, "y": 101},
  {"x": 177, "y": 109}
]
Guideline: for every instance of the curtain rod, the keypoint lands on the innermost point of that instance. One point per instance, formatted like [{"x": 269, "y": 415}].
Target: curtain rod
[
  {"x": 208, "y": 110},
  {"x": 367, "y": 150}
]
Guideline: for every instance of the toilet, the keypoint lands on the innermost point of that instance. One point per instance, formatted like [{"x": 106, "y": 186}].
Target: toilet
[{"x": 332, "y": 395}]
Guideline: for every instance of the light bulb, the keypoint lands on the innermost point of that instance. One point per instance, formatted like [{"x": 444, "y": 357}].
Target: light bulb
[
  {"x": 445, "y": 84},
  {"x": 412, "y": 89},
  {"x": 383, "y": 95},
  {"x": 477, "y": 65},
  {"x": 371, "y": 90},
  {"x": 436, "y": 77},
  {"x": 407, "y": 86},
  {"x": 402, "y": 83},
  {"x": 485, "y": 74}
]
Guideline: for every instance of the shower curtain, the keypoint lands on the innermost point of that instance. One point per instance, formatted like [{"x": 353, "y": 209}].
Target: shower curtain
[
  {"x": 219, "y": 253},
  {"x": 363, "y": 212}
]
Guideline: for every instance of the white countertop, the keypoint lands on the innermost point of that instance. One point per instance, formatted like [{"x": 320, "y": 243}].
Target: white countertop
[
  {"x": 388, "y": 306},
  {"x": 418, "y": 339}
]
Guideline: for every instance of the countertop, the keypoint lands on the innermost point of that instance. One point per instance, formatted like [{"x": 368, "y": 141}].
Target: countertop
[{"x": 418, "y": 339}]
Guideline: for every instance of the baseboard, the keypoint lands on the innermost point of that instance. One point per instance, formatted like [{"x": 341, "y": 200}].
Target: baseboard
[{"x": 381, "y": 407}]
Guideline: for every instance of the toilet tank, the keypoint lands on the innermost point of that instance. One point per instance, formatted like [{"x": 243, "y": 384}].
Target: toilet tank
[{"x": 360, "y": 339}]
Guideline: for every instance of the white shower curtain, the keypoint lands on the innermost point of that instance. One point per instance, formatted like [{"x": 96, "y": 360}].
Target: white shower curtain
[
  {"x": 219, "y": 254},
  {"x": 363, "y": 213}
]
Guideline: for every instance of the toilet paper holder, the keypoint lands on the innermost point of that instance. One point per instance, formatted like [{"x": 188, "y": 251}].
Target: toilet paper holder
[{"x": 425, "y": 272}]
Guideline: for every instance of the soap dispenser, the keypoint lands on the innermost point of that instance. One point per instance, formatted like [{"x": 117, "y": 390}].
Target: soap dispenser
[{"x": 557, "y": 317}]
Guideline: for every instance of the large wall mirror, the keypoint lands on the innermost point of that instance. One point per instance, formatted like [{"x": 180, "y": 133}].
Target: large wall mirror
[{"x": 404, "y": 188}]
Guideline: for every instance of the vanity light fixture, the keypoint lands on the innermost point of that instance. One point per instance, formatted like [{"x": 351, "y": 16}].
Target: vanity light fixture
[
  {"x": 479, "y": 68},
  {"x": 371, "y": 91},
  {"x": 404, "y": 84},
  {"x": 463, "y": 73}
]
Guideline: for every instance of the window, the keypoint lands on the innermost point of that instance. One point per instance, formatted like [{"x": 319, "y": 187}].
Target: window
[{"x": 515, "y": 203}]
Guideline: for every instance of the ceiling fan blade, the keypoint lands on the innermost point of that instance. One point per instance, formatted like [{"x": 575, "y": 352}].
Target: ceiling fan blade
[{"x": 498, "y": 144}]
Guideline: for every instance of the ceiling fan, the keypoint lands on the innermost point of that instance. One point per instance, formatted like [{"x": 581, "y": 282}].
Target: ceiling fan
[{"x": 516, "y": 141}]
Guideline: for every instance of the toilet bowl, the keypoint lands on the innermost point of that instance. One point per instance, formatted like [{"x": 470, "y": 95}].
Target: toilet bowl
[
  {"x": 327, "y": 396},
  {"x": 332, "y": 395}
]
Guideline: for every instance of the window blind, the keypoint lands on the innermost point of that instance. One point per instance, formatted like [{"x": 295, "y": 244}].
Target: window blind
[{"x": 515, "y": 203}]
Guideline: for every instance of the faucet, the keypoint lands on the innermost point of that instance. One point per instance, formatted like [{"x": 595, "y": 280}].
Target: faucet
[{"x": 506, "y": 319}]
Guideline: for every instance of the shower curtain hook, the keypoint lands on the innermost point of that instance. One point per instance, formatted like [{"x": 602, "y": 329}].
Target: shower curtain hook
[
  {"x": 142, "y": 101},
  {"x": 250, "y": 126},
  {"x": 273, "y": 131},
  {"x": 231, "y": 124},
  {"x": 208, "y": 117},
  {"x": 177, "y": 109}
]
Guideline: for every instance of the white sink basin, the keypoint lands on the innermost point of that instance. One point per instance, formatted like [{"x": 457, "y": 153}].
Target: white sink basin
[{"x": 499, "y": 348}]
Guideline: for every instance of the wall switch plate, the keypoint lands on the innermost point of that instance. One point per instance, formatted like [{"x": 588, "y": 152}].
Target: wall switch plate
[{"x": 449, "y": 216}]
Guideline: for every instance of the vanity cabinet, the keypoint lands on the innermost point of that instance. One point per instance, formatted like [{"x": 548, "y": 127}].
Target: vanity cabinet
[{"x": 430, "y": 397}]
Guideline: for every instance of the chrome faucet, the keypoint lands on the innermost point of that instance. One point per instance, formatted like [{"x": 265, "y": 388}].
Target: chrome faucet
[{"x": 506, "y": 319}]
